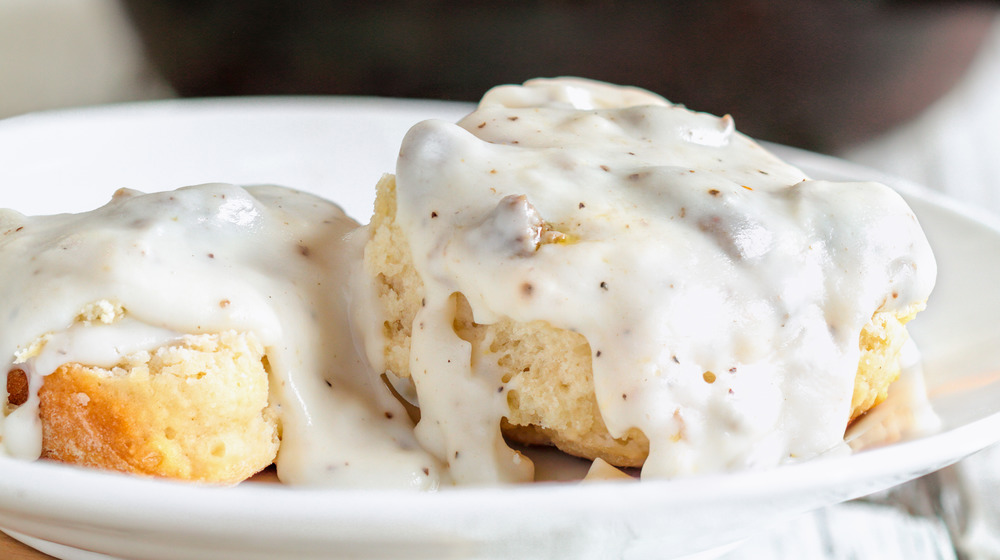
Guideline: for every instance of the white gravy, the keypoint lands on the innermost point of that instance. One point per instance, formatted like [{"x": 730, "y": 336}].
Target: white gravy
[
  {"x": 207, "y": 259},
  {"x": 722, "y": 292}
]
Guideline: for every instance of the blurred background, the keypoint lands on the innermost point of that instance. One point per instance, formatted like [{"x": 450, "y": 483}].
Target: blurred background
[
  {"x": 908, "y": 87},
  {"x": 832, "y": 76}
]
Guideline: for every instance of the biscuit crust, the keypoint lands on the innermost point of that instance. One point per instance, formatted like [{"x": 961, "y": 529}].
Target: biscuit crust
[{"x": 194, "y": 411}]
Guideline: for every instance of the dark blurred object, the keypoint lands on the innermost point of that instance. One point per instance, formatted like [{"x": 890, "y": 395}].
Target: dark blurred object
[{"x": 813, "y": 73}]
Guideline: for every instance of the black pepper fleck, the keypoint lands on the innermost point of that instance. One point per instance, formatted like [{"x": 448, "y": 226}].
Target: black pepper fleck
[
  {"x": 526, "y": 289},
  {"x": 604, "y": 286},
  {"x": 714, "y": 192},
  {"x": 598, "y": 354},
  {"x": 674, "y": 358},
  {"x": 388, "y": 415},
  {"x": 434, "y": 214}
]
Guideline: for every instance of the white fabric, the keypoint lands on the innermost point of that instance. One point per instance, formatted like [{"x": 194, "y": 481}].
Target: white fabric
[
  {"x": 62, "y": 53},
  {"x": 954, "y": 146},
  {"x": 853, "y": 531}
]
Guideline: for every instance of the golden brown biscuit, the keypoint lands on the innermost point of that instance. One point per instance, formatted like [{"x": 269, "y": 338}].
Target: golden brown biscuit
[
  {"x": 881, "y": 342},
  {"x": 195, "y": 411}
]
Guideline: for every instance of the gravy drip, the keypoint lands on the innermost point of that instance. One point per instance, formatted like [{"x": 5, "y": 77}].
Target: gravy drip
[
  {"x": 722, "y": 292},
  {"x": 204, "y": 259}
]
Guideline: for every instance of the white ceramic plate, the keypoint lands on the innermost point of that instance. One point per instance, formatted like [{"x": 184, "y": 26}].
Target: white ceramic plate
[{"x": 73, "y": 160}]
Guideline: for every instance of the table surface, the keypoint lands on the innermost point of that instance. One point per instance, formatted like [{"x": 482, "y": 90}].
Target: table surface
[{"x": 11, "y": 549}]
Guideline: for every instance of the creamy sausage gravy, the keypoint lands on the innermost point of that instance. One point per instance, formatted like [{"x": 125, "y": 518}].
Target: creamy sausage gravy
[
  {"x": 206, "y": 259},
  {"x": 721, "y": 290}
]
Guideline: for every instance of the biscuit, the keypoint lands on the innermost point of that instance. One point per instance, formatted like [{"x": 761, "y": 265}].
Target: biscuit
[
  {"x": 197, "y": 410},
  {"x": 548, "y": 370}
]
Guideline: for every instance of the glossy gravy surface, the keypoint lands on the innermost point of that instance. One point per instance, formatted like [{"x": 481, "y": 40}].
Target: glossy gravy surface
[
  {"x": 146, "y": 268},
  {"x": 722, "y": 292}
]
